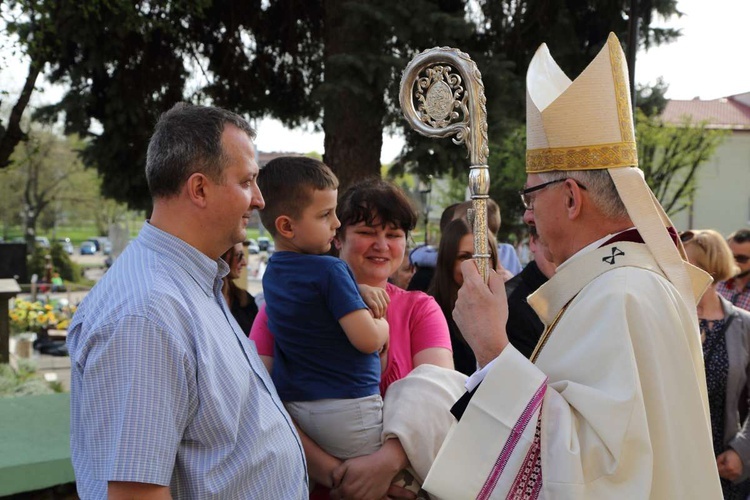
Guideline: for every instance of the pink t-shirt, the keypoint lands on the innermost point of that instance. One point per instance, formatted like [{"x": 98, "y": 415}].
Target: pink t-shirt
[{"x": 416, "y": 323}]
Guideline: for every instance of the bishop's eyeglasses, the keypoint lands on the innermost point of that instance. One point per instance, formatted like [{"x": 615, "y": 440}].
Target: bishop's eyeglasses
[{"x": 528, "y": 201}]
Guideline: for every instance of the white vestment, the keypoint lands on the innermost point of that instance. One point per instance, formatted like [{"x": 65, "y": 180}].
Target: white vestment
[{"x": 618, "y": 387}]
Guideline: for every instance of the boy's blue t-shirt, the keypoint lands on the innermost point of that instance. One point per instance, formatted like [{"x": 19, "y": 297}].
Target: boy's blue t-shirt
[{"x": 306, "y": 295}]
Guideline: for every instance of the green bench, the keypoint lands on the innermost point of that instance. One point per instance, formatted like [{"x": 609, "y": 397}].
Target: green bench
[{"x": 34, "y": 443}]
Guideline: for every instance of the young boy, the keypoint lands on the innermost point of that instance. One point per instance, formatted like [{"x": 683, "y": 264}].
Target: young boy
[{"x": 326, "y": 365}]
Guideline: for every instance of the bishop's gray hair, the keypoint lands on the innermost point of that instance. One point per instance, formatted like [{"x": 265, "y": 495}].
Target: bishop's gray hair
[{"x": 600, "y": 187}]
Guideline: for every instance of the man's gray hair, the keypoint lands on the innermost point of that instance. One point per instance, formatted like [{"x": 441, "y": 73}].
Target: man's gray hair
[
  {"x": 186, "y": 140},
  {"x": 600, "y": 187}
]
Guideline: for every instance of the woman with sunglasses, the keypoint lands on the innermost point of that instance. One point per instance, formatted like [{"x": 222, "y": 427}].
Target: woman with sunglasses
[
  {"x": 725, "y": 333},
  {"x": 240, "y": 302}
]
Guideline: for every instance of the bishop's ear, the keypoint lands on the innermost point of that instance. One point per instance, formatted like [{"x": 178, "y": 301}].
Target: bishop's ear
[{"x": 573, "y": 199}]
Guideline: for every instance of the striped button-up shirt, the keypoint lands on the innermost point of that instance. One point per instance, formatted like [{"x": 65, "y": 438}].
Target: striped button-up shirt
[{"x": 166, "y": 389}]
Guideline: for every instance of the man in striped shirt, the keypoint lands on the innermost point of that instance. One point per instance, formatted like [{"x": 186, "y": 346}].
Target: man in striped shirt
[{"x": 168, "y": 396}]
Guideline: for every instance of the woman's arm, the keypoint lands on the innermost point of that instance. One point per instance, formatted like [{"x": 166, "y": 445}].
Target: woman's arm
[
  {"x": 733, "y": 462},
  {"x": 320, "y": 465},
  {"x": 439, "y": 356}
]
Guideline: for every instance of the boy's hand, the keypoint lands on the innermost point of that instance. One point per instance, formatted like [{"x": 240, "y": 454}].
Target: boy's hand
[{"x": 376, "y": 299}]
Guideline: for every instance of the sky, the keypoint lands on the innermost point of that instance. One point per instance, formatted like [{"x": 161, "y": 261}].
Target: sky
[{"x": 709, "y": 61}]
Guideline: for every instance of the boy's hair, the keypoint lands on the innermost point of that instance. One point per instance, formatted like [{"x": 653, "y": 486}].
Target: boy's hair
[{"x": 287, "y": 184}]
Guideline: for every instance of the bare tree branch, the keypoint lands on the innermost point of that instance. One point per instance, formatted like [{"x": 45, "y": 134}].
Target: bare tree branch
[{"x": 13, "y": 133}]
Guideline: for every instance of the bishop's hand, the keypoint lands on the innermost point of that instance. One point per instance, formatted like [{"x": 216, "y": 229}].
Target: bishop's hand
[{"x": 481, "y": 313}]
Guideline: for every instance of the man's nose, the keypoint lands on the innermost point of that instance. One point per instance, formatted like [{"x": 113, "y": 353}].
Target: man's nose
[
  {"x": 528, "y": 217},
  {"x": 257, "y": 201}
]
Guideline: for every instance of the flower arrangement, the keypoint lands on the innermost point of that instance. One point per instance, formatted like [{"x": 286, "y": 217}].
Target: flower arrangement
[{"x": 27, "y": 316}]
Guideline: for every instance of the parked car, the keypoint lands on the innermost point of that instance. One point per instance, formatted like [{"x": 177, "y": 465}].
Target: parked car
[
  {"x": 42, "y": 241},
  {"x": 263, "y": 243},
  {"x": 95, "y": 242},
  {"x": 66, "y": 245},
  {"x": 252, "y": 246},
  {"x": 88, "y": 248},
  {"x": 102, "y": 244},
  {"x": 106, "y": 246}
]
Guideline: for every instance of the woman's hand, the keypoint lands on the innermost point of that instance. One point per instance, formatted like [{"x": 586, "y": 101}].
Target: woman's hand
[
  {"x": 369, "y": 477},
  {"x": 376, "y": 299},
  {"x": 504, "y": 273},
  {"x": 729, "y": 464}
]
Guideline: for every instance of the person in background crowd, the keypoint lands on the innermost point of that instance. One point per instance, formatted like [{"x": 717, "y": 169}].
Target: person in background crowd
[
  {"x": 725, "y": 333},
  {"x": 737, "y": 289},
  {"x": 168, "y": 396},
  {"x": 424, "y": 258},
  {"x": 456, "y": 246},
  {"x": 524, "y": 326},
  {"x": 240, "y": 302},
  {"x": 509, "y": 265},
  {"x": 403, "y": 275}
]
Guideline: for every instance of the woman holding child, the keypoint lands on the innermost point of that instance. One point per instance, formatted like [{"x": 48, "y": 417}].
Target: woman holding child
[{"x": 375, "y": 219}]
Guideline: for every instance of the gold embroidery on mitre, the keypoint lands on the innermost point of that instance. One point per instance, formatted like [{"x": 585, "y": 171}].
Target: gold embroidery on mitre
[
  {"x": 620, "y": 154},
  {"x": 622, "y": 93}
]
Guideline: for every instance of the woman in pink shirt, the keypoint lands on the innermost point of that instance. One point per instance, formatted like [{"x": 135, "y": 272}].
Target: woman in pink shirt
[{"x": 376, "y": 218}]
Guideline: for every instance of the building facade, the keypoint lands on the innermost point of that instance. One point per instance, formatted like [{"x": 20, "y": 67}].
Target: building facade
[{"x": 722, "y": 198}]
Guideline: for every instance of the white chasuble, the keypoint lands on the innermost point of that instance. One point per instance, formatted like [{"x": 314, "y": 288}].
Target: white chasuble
[{"x": 616, "y": 397}]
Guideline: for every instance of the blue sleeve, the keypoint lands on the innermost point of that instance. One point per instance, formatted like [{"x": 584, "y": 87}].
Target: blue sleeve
[
  {"x": 137, "y": 403},
  {"x": 508, "y": 258},
  {"x": 342, "y": 293}
]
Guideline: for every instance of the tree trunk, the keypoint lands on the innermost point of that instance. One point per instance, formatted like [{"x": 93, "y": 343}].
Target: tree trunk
[
  {"x": 13, "y": 133},
  {"x": 352, "y": 96}
]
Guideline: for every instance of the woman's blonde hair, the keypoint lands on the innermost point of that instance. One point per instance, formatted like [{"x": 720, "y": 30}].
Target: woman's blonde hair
[{"x": 712, "y": 254}]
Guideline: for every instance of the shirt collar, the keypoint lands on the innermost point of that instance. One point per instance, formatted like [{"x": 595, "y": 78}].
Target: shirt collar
[
  {"x": 592, "y": 246},
  {"x": 204, "y": 270}
]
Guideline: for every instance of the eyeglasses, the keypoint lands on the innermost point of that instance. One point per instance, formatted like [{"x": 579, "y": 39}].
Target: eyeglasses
[
  {"x": 686, "y": 236},
  {"x": 528, "y": 201}
]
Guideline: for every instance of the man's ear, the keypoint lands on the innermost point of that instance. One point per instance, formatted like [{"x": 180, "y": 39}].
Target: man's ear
[
  {"x": 573, "y": 199},
  {"x": 195, "y": 187},
  {"x": 284, "y": 226}
]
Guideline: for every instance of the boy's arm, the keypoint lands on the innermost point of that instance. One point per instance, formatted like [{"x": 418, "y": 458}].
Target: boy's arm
[{"x": 365, "y": 333}]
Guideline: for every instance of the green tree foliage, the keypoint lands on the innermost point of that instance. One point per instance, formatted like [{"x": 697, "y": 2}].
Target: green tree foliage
[
  {"x": 336, "y": 63},
  {"x": 670, "y": 156},
  {"x": 508, "y": 34},
  {"x": 333, "y": 62},
  {"x": 652, "y": 100},
  {"x": 46, "y": 184},
  {"x": 507, "y": 164}
]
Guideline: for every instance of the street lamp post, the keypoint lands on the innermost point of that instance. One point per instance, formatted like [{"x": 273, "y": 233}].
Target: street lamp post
[{"x": 425, "y": 188}]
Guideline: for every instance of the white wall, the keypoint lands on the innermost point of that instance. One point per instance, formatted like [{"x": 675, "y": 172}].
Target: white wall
[{"x": 722, "y": 200}]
